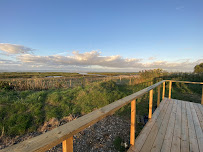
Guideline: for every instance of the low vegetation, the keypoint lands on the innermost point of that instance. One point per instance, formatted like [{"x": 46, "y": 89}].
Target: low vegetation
[
  {"x": 6, "y": 75},
  {"x": 25, "y": 111},
  {"x": 114, "y": 73}
]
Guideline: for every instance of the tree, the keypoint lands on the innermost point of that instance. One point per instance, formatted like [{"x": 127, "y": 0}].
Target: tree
[{"x": 198, "y": 68}]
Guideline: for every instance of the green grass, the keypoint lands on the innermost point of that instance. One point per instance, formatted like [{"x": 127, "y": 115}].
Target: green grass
[{"x": 25, "y": 111}]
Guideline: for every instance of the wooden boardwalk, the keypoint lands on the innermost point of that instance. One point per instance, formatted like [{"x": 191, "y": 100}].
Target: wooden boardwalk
[{"x": 176, "y": 126}]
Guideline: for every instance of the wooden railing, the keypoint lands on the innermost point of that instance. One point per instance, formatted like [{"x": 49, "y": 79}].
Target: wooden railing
[
  {"x": 64, "y": 134},
  {"x": 170, "y": 87}
]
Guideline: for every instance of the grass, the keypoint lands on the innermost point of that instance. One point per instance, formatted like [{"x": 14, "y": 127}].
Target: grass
[
  {"x": 25, "y": 111},
  {"x": 114, "y": 73},
  {"x": 5, "y": 75}
]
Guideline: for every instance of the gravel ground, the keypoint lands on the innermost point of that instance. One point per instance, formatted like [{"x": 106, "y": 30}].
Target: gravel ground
[
  {"x": 96, "y": 138},
  {"x": 100, "y": 136}
]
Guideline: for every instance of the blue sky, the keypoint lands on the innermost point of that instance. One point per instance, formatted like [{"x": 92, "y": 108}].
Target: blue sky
[{"x": 164, "y": 34}]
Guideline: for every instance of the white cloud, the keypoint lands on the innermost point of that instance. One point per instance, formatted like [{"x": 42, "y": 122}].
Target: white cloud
[
  {"x": 152, "y": 58},
  {"x": 180, "y": 7},
  {"x": 82, "y": 59},
  {"x": 88, "y": 61},
  {"x": 95, "y": 59},
  {"x": 14, "y": 48}
]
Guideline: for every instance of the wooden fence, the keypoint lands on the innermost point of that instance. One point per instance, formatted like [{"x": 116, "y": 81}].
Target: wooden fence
[
  {"x": 66, "y": 82},
  {"x": 64, "y": 134}
]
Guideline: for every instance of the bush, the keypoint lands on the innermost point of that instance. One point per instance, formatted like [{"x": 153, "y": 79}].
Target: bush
[{"x": 6, "y": 85}]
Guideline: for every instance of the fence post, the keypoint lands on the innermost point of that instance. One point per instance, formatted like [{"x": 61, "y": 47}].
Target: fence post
[
  {"x": 163, "y": 93},
  {"x": 202, "y": 95},
  {"x": 150, "y": 103},
  {"x": 170, "y": 86},
  {"x": 133, "y": 122},
  {"x": 158, "y": 96},
  {"x": 67, "y": 145}
]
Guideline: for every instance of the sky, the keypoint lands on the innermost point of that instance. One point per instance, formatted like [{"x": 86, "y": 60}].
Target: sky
[{"x": 100, "y": 35}]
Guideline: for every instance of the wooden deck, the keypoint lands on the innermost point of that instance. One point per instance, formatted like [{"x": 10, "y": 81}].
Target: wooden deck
[{"x": 176, "y": 126}]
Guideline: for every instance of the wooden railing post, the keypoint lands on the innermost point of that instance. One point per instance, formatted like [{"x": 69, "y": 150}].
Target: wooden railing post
[
  {"x": 170, "y": 86},
  {"x": 133, "y": 122},
  {"x": 158, "y": 96},
  {"x": 202, "y": 95},
  {"x": 150, "y": 103},
  {"x": 67, "y": 145},
  {"x": 163, "y": 93}
]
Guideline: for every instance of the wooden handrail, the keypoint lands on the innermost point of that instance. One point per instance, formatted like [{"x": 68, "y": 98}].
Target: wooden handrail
[
  {"x": 185, "y": 82},
  {"x": 65, "y": 132},
  {"x": 170, "y": 87}
]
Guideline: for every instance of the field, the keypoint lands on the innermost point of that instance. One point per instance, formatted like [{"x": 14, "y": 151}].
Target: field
[{"x": 25, "y": 110}]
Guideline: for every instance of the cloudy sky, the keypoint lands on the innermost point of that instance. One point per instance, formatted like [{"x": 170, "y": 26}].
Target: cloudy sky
[{"x": 100, "y": 35}]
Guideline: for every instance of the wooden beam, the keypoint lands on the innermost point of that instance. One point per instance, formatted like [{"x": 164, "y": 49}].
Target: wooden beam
[
  {"x": 158, "y": 96},
  {"x": 163, "y": 93},
  {"x": 185, "y": 82},
  {"x": 67, "y": 145},
  {"x": 133, "y": 122},
  {"x": 202, "y": 95},
  {"x": 150, "y": 103},
  {"x": 170, "y": 86}
]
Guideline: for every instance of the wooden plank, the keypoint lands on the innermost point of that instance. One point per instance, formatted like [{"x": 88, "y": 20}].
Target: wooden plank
[
  {"x": 175, "y": 145},
  {"x": 67, "y": 145},
  {"x": 158, "y": 96},
  {"x": 197, "y": 126},
  {"x": 200, "y": 107},
  {"x": 58, "y": 135},
  {"x": 133, "y": 122},
  {"x": 199, "y": 114},
  {"x": 202, "y": 96},
  {"x": 170, "y": 87},
  {"x": 186, "y": 82},
  {"x": 184, "y": 130},
  {"x": 150, "y": 103},
  {"x": 166, "y": 146},
  {"x": 191, "y": 130},
  {"x": 151, "y": 137},
  {"x": 140, "y": 140},
  {"x": 163, "y": 92},
  {"x": 162, "y": 131},
  {"x": 130, "y": 149}
]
